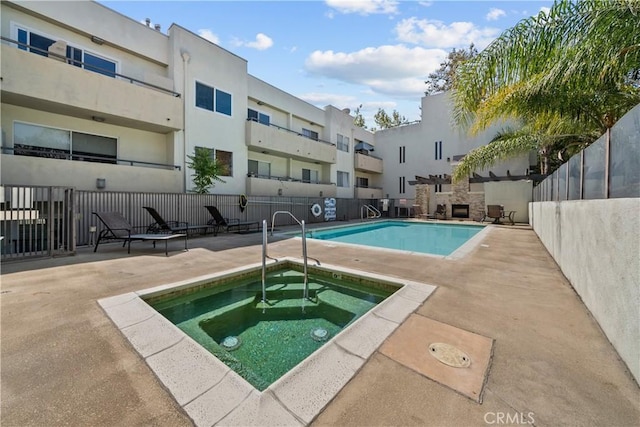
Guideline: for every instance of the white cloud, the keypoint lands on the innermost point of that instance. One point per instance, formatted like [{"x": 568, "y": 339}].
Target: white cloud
[
  {"x": 262, "y": 42},
  {"x": 391, "y": 70},
  {"x": 435, "y": 33},
  {"x": 209, "y": 35},
  {"x": 494, "y": 14},
  {"x": 363, "y": 7},
  {"x": 546, "y": 10},
  {"x": 425, "y": 3}
]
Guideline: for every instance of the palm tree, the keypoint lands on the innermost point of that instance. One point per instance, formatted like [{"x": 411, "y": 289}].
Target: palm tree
[{"x": 578, "y": 65}]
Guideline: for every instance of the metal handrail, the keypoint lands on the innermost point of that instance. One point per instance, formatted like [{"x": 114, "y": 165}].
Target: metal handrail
[
  {"x": 305, "y": 294},
  {"x": 370, "y": 209}
]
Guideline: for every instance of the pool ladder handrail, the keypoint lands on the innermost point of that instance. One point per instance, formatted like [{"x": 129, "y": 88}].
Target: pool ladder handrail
[
  {"x": 370, "y": 209},
  {"x": 305, "y": 294}
]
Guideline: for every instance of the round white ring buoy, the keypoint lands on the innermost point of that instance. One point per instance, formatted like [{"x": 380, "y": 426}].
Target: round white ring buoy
[{"x": 316, "y": 210}]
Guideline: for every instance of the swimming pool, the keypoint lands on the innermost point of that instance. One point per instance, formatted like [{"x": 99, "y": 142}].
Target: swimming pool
[{"x": 423, "y": 237}]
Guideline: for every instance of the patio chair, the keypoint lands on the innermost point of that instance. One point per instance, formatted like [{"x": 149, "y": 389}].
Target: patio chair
[
  {"x": 496, "y": 212},
  {"x": 171, "y": 227},
  {"x": 441, "y": 210},
  {"x": 116, "y": 227},
  {"x": 220, "y": 222}
]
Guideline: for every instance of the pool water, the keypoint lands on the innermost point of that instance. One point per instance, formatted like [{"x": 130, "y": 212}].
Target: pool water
[
  {"x": 430, "y": 238},
  {"x": 262, "y": 342}
]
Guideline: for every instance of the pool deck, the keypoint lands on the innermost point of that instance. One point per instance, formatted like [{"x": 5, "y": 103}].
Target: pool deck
[{"x": 63, "y": 362}]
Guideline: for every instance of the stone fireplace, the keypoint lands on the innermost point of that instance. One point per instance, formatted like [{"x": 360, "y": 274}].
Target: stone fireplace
[
  {"x": 460, "y": 211},
  {"x": 460, "y": 202}
]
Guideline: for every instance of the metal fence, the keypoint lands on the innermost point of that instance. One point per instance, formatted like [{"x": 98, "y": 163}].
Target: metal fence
[
  {"x": 608, "y": 168},
  {"x": 36, "y": 222},
  {"x": 189, "y": 208}
]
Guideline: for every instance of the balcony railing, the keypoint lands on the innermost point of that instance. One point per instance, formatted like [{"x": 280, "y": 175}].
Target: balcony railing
[
  {"x": 75, "y": 62},
  {"x": 253, "y": 119},
  {"x": 63, "y": 155},
  {"x": 288, "y": 178}
]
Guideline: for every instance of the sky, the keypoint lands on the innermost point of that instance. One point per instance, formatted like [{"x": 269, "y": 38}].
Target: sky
[{"x": 348, "y": 53}]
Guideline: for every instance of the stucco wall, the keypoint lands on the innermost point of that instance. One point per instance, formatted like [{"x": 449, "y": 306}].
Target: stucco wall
[
  {"x": 596, "y": 244},
  {"x": 513, "y": 195}
]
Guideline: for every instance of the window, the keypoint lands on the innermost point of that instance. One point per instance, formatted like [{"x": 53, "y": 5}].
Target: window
[
  {"x": 402, "y": 182},
  {"x": 223, "y": 102},
  {"x": 41, "y": 141},
  {"x": 438, "y": 187},
  {"x": 310, "y": 176},
  {"x": 259, "y": 117},
  {"x": 403, "y": 158},
  {"x": 40, "y": 44},
  {"x": 205, "y": 99},
  {"x": 225, "y": 160},
  {"x": 99, "y": 65},
  {"x": 438, "y": 150},
  {"x": 259, "y": 169},
  {"x": 362, "y": 182},
  {"x": 204, "y": 96},
  {"x": 310, "y": 134},
  {"x": 343, "y": 179},
  {"x": 343, "y": 143}
]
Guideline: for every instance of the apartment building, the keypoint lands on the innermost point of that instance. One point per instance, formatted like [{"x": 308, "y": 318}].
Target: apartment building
[{"x": 95, "y": 100}]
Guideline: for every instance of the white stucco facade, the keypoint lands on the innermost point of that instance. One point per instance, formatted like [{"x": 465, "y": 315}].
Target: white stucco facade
[{"x": 168, "y": 93}]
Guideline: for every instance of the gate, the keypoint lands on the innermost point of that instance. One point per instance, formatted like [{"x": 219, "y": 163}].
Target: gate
[{"x": 36, "y": 222}]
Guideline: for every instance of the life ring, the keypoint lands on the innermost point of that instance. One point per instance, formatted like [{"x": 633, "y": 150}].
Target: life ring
[
  {"x": 243, "y": 202},
  {"x": 316, "y": 210}
]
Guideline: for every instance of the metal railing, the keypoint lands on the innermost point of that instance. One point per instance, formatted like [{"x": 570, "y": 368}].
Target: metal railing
[
  {"x": 253, "y": 119},
  {"x": 64, "y": 155},
  {"x": 36, "y": 221},
  {"x": 371, "y": 212},
  {"x": 90, "y": 67}
]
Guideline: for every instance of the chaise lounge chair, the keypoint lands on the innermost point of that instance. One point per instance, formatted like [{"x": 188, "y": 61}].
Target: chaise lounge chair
[
  {"x": 218, "y": 222},
  {"x": 118, "y": 228},
  {"x": 171, "y": 227}
]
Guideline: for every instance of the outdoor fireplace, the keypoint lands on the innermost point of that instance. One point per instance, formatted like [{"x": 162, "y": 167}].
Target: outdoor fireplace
[{"x": 459, "y": 211}]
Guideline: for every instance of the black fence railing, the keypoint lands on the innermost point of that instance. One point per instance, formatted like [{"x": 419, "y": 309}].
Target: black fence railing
[{"x": 53, "y": 153}]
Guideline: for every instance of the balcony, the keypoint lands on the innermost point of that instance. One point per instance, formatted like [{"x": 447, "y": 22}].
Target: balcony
[
  {"x": 367, "y": 163},
  {"x": 275, "y": 186},
  {"x": 368, "y": 193},
  {"x": 280, "y": 141},
  {"x": 51, "y": 84}
]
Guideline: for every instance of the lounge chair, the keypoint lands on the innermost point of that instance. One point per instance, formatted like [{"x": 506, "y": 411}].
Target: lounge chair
[
  {"x": 220, "y": 222},
  {"x": 171, "y": 227},
  {"x": 116, "y": 227}
]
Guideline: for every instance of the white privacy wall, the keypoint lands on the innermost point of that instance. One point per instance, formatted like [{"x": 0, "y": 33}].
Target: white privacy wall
[{"x": 596, "y": 244}]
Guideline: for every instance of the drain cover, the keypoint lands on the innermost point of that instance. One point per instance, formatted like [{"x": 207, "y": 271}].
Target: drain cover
[
  {"x": 231, "y": 343},
  {"x": 449, "y": 355},
  {"x": 319, "y": 334}
]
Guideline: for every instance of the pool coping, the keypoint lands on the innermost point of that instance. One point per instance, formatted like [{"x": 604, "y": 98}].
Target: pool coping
[
  {"x": 213, "y": 394},
  {"x": 459, "y": 253}
]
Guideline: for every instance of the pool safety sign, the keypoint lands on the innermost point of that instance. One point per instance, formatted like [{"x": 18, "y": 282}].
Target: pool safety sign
[{"x": 329, "y": 209}]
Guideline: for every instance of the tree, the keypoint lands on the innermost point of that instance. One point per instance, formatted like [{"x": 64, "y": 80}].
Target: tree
[
  {"x": 384, "y": 121},
  {"x": 205, "y": 170},
  {"x": 442, "y": 79},
  {"x": 578, "y": 65},
  {"x": 358, "y": 119}
]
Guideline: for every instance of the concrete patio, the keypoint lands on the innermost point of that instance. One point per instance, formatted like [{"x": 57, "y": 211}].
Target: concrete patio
[{"x": 64, "y": 363}]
